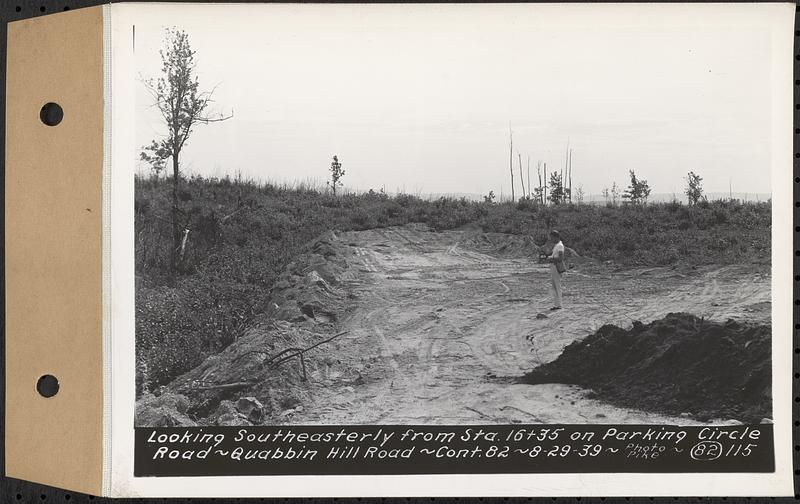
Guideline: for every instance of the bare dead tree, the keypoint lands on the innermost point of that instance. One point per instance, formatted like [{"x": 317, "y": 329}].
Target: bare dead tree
[
  {"x": 569, "y": 176},
  {"x": 544, "y": 202},
  {"x": 176, "y": 94},
  {"x": 511, "y": 159},
  {"x": 529, "y": 176},
  {"x": 521, "y": 180},
  {"x": 539, "y": 173}
]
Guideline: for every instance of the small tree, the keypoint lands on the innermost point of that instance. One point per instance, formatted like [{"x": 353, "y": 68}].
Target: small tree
[
  {"x": 489, "y": 198},
  {"x": 579, "y": 194},
  {"x": 606, "y": 194},
  {"x": 337, "y": 172},
  {"x": 556, "y": 188},
  {"x": 694, "y": 188},
  {"x": 638, "y": 191},
  {"x": 537, "y": 195},
  {"x": 614, "y": 194},
  {"x": 176, "y": 94}
]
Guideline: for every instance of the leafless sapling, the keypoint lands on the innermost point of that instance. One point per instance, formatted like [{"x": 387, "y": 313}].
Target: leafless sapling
[
  {"x": 511, "y": 160},
  {"x": 569, "y": 177},
  {"x": 539, "y": 192},
  {"x": 544, "y": 188},
  {"x": 529, "y": 177}
]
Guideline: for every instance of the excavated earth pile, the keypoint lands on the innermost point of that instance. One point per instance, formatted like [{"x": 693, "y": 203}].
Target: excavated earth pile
[
  {"x": 681, "y": 365},
  {"x": 244, "y": 385},
  {"x": 307, "y": 290},
  {"x": 240, "y": 385}
]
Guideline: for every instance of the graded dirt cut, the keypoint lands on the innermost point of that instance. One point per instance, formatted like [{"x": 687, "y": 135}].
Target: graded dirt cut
[
  {"x": 435, "y": 328},
  {"x": 678, "y": 365}
]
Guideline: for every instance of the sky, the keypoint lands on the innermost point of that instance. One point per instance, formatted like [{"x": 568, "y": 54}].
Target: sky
[{"x": 420, "y": 98}]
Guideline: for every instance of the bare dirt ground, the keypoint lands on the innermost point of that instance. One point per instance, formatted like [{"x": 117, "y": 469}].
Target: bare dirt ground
[{"x": 439, "y": 323}]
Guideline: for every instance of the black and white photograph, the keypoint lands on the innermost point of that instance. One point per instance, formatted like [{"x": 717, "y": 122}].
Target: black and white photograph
[
  {"x": 388, "y": 250},
  {"x": 451, "y": 249},
  {"x": 451, "y": 219}
]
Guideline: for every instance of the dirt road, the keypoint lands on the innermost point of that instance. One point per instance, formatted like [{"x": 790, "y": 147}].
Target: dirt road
[{"x": 438, "y": 325}]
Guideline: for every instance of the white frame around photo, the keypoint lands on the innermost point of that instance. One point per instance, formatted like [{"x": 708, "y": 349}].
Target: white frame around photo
[{"x": 118, "y": 267}]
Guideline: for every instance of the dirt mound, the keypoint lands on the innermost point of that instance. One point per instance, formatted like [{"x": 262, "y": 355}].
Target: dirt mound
[
  {"x": 245, "y": 384},
  {"x": 506, "y": 245},
  {"x": 511, "y": 246},
  {"x": 307, "y": 290},
  {"x": 241, "y": 385},
  {"x": 678, "y": 365}
]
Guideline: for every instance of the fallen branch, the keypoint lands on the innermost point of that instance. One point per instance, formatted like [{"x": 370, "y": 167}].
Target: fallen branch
[
  {"x": 282, "y": 352},
  {"x": 299, "y": 352},
  {"x": 225, "y": 385},
  {"x": 503, "y": 408},
  {"x": 325, "y": 341},
  {"x": 275, "y": 363},
  {"x": 231, "y": 214},
  {"x": 484, "y": 415}
]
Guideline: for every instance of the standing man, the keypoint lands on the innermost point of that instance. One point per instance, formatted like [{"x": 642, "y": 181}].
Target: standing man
[{"x": 557, "y": 268}]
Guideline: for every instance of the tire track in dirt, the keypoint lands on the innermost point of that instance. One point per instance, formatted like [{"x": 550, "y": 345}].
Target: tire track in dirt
[{"x": 438, "y": 322}]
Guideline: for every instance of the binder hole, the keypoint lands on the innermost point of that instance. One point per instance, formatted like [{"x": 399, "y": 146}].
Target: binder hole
[
  {"x": 51, "y": 114},
  {"x": 18, "y": 8},
  {"x": 42, "y": 8},
  {"x": 47, "y": 386}
]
